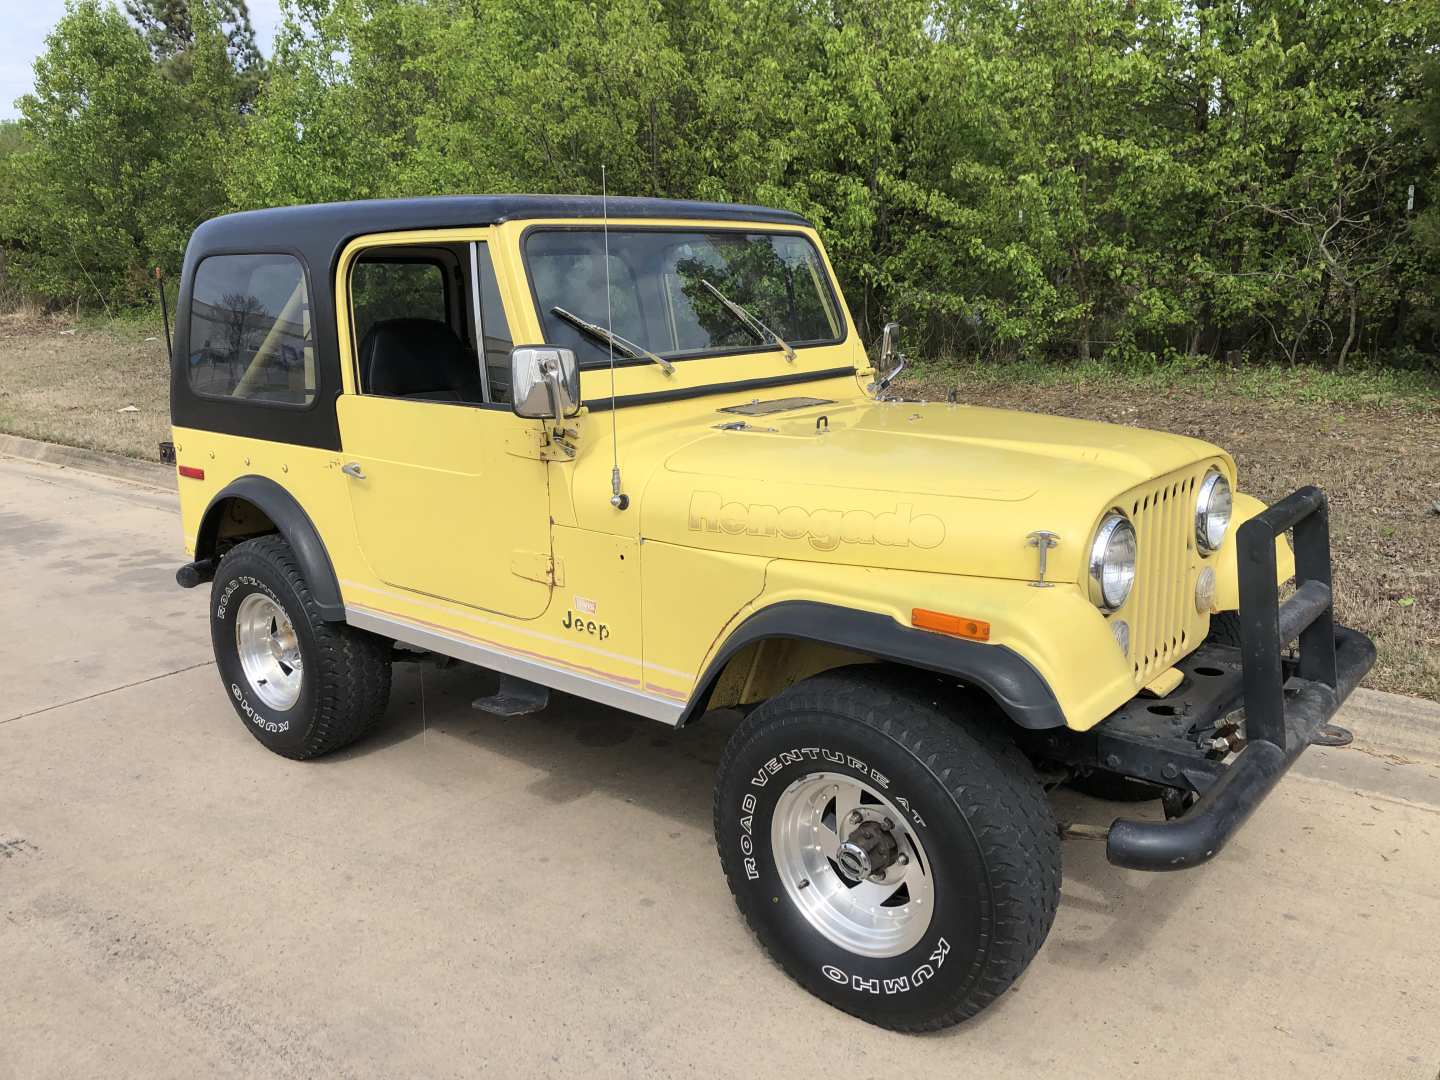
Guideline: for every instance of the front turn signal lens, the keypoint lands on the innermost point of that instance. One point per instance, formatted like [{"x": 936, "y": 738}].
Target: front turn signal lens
[{"x": 954, "y": 625}]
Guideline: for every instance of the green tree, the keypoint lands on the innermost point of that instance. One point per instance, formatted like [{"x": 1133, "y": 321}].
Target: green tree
[
  {"x": 121, "y": 161},
  {"x": 169, "y": 29},
  {"x": 1073, "y": 179}
]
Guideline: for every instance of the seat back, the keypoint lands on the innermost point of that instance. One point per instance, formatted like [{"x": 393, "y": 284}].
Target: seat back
[{"x": 418, "y": 358}]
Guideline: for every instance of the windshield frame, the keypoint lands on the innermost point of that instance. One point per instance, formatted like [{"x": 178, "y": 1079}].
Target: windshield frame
[{"x": 697, "y": 226}]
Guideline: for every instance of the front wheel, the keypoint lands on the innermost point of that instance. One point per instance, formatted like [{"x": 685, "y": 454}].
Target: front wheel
[
  {"x": 895, "y": 855},
  {"x": 304, "y": 687}
]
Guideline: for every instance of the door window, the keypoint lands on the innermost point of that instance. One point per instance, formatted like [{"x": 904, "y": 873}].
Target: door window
[
  {"x": 429, "y": 324},
  {"x": 397, "y": 289}
]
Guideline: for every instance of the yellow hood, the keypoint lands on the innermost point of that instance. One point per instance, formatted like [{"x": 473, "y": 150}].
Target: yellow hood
[{"x": 934, "y": 487}]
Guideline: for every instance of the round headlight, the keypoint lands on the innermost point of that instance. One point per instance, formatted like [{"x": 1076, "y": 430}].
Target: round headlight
[
  {"x": 1112, "y": 562},
  {"x": 1212, "y": 511}
]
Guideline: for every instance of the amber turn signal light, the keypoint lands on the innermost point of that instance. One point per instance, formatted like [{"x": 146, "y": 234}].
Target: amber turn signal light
[{"x": 954, "y": 625}]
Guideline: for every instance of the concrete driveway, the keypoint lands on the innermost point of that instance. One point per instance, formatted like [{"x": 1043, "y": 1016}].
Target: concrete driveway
[{"x": 461, "y": 895}]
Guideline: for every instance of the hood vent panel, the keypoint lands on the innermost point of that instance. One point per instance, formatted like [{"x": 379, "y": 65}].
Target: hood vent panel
[{"x": 775, "y": 405}]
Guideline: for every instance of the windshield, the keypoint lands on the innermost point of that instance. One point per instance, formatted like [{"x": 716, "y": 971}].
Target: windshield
[{"x": 659, "y": 299}]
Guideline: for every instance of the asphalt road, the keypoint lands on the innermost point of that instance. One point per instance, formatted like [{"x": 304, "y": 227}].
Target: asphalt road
[{"x": 461, "y": 895}]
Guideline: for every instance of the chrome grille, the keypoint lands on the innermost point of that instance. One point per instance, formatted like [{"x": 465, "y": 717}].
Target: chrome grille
[{"x": 1164, "y": 624}]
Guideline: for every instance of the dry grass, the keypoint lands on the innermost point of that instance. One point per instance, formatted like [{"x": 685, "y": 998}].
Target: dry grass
[
  {"x": 66, "y": 383},
  {"x": 1377, "y": 457},
  {"x": 1373, "y": 448}
]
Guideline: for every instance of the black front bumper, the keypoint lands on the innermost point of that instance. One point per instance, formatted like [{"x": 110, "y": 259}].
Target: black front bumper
[{"x": 1254, "y": 699}]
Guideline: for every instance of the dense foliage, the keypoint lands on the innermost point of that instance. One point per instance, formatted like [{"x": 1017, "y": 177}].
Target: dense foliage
[{"x": 1058, "y": 178}]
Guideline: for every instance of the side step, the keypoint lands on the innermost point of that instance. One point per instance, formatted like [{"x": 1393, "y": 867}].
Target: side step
[{"x": 514, "y": 697}]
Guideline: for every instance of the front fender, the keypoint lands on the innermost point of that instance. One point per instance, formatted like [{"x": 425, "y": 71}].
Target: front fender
[
  {"x": 1050, "y": 662},
  {"x": 1008, "y": 678}
]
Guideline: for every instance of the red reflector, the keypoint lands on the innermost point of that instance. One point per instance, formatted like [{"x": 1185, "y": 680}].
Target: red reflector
[
  {"x": 192, "y": 472},
  {"x": 954, "y": 625}
]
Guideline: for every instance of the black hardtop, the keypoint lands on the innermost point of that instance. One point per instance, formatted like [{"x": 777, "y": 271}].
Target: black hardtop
[
  {"x": 330, "y": 225},
  {"x": 318, "y": 232}
]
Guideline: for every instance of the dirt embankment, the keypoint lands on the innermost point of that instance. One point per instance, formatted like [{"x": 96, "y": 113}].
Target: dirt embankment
[{"x": 103, "y": 388}]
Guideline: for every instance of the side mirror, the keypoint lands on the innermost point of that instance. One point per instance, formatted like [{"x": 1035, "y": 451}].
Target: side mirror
[
  {"x": 889, "y": 354},
  {"x": 544, "y": 382},
  {"x": 889, "y": 343}
]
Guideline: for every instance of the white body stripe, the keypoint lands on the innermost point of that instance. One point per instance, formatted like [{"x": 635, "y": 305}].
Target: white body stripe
[{"x": 497, "y": 659}]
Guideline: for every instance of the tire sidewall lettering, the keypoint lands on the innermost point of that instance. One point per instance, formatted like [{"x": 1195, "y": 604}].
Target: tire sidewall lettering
[
  {"x": 818, "y": 755},
  {"x": 899, "y": 984},
  {"x": 269, "y": 725},
  {"x": 930, "y": 968},
  {"x": 250, "y": 713},
  {"x": 238, "y": 582}
]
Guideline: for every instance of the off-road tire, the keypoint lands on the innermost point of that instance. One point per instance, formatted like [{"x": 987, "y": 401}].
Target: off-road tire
[
  {"x": 1225, "y": 629},
  {"x": 345, "y": 685},
  {"x": 989, "y": 837}
]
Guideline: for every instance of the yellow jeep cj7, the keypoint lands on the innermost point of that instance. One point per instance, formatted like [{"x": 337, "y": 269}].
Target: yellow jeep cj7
[{"x": 687, "y": 489}]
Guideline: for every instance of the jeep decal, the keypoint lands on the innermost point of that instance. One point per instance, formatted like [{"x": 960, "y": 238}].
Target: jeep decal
[{"x": 577, "y": 623}]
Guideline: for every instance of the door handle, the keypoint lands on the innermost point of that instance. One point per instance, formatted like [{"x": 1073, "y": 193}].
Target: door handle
[{"x": 352, "y": 468}]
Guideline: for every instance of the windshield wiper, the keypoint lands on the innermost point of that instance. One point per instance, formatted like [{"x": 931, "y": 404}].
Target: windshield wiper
[
  {"x": 608, "y": 337},
  {"x": 750, "y": 322}
]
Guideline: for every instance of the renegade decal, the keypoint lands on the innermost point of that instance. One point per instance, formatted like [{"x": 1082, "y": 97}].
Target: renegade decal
[{"x": 825, "y": 529}]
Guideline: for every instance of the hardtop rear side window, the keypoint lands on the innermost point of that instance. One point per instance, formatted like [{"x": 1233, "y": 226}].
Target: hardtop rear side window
[{"x": 250, "y": 330}]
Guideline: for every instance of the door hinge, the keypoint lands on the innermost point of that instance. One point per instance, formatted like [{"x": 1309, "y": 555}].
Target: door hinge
[
  {"x": 538, "y": 441},
  {"x": 537, "y": 566}
]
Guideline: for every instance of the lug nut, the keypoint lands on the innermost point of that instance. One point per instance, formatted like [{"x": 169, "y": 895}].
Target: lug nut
[
  {"x": 902, "y": 859},
  {"x": 856, "y": 817},
  {"x": 887, "y": 825}
]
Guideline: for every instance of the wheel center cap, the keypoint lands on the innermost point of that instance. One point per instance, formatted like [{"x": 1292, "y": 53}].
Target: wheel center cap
[{"x": 867, "y": 852}]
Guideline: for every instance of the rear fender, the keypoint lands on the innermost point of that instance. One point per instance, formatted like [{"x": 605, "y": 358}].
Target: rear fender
[{"x": 291, "y": 522}]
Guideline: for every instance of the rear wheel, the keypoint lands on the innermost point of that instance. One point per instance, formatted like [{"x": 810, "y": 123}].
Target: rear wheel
[
  {"x": 303, "y": 686},
  {"x": 893, "y": 853}
]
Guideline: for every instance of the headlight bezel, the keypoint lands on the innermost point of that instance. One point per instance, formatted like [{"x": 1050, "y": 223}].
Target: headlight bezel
[
  {"x": 1215, "y": 480},
  {"x": 1114, "y": 521}
]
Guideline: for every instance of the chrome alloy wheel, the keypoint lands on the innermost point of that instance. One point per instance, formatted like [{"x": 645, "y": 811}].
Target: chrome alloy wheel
[
  {"x": 269, "y": 651},
  {"x": 852, "y": 864}
]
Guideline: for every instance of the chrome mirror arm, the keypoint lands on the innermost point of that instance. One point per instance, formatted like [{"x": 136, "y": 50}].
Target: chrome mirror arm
[
  {"x": 889, "y": 351},
  {"x": 552, "y": 390},
  {"x": 880, "y": 385}
]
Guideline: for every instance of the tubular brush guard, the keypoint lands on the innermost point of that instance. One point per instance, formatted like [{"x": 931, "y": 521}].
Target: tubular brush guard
[{"x": 1180, "y": 741}]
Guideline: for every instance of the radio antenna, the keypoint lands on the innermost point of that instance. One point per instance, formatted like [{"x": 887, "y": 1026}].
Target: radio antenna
[{"x": 618, "y": 499}]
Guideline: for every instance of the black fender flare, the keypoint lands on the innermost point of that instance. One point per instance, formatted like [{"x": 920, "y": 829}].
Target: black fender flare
[
  {"x": 293, "y": 524},
  {"x": 1004, "y": 675}
]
